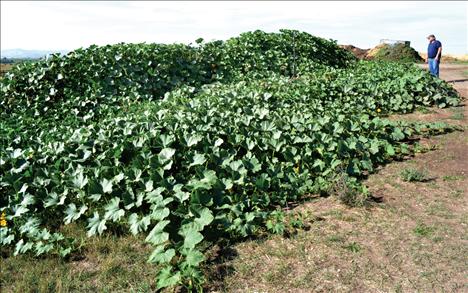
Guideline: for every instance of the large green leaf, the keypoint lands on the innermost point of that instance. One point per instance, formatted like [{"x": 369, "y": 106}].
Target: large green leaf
[
  {"x": 166, "y": 278},
  {"x": 157, "y": 235},
  {"x": 208, "y": 180},
  {"x": 80, "y": 180},
  {"x": 96, "y": 225},
  {"x": 106, "y": 185},
  {"x": 72, "y": 213},
  {"x": 159, "y": 255},
  {"x": 113, "y": 212},
  {"x": 191, "y": 237},
  {"x": 166, "y": 154},
  {"x": 138, "y": 225},
  {"x": 194, "y": 258}
]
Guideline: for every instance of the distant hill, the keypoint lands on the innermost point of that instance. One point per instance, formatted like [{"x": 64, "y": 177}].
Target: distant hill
[{"x": 28, "y": 54}]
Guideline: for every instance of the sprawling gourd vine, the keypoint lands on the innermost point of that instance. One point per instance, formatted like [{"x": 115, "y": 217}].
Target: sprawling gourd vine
[{"x": 185, "y": 143}]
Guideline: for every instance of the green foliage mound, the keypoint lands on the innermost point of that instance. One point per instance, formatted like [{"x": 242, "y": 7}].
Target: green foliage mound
[
  {"x": 116, "y": 74},
  {"x": 388, "y": 86},
  {"x": 396, "y": 52},
  {"x": 288, "y": 53},
  {"x": 185, "y": 152}
]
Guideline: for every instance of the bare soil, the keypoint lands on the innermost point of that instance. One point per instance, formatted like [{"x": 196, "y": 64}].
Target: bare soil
[{"x": 358, "y": 52}]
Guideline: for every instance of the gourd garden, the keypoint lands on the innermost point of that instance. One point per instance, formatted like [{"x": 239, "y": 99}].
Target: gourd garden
[{"x": 190, "y": 144}]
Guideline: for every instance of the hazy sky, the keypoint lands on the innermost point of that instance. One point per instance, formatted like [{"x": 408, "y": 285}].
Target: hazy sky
[{"x": 69, "y": 25}]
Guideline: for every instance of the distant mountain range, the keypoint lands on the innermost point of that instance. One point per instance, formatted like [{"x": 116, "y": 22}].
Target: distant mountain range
[{"x": 28, "y": 54}]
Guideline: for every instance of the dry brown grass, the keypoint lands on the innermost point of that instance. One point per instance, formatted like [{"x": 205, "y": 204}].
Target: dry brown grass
[
  {"x": 4, "y": 68},
  {"x": 106, "y": 264},
  {"x": 450, "y": 57}
]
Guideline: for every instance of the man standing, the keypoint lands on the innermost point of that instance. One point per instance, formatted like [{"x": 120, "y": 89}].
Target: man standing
[{"x": 434, "y": 52}]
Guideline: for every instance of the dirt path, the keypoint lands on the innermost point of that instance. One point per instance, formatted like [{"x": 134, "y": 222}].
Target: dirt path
[{"x": 416, "y": 240}]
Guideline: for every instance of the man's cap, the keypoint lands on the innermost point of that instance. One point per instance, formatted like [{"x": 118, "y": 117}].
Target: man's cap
[{"x": 430, "y": 36}]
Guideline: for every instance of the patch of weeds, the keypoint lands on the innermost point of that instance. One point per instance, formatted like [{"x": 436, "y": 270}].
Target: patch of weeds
[
  {"x": 427, "y": 275},
  {"x": 452, "y": 177},
  {"x": 458, "y": 116},
  {"x": 423, "y": 230},
  {"x": 349, "y": 218},
  {"x": 104, "y": 249},
  {"x": 275, "y": 222},
  {"x": 273, "y": 276},
  {"x": 113, "y": 269},
  {"x": 413, "y": 175},
  {"x": 297, "y": 221},
  {"x": 449, "y": 157},
  {"x": 349, "y": 190},
  {"x": 353, "y": 247},
  {"x": 419, "y": 148},
  {"x": 437, "y": 239},
  {"x": 303, "y": 281},
  {"x": 396, "y": 185},
  {"x": 398, "y": 288},
  {"x": 424, "y": 110},
  {"x": 284, "y": 269},
  {"x": 286, "y": 224},
  {"x": 337, "y": 214},
  {"x": 270, "y": 276},
  {"x": 433, "y": 185},
  {"x": 456, "y": 193},
  {"x": 440, "y": 210},
  {"x": 336, "y": 239}
]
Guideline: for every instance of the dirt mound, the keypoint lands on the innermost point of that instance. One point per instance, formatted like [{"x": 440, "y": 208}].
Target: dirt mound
[{"x": 358, "y": 52}]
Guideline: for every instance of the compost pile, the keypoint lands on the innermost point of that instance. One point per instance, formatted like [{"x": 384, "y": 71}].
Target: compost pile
[
  {"x": 190, "y": 144},
  {"x": 386, "y": 52},
  {"x": 396, "y": 52},
  {"x": 357, "y": 52}
]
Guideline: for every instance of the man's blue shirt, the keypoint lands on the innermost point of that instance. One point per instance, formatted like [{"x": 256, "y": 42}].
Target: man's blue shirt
[{"x": 432, "y": 49}]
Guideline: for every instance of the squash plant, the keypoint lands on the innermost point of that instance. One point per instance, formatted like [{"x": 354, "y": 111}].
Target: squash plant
[{"x": 188, "y": 144}]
